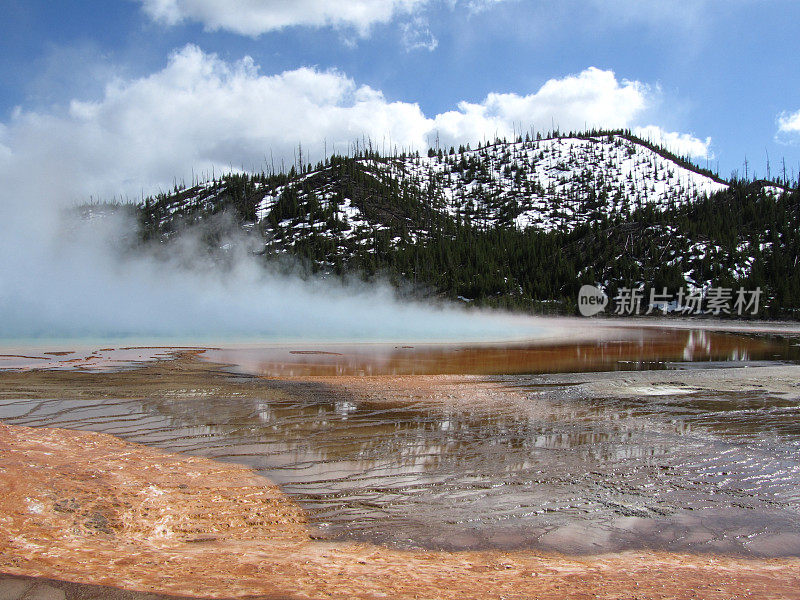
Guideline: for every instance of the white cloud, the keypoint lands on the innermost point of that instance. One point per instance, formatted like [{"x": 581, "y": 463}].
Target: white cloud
[
  {"x": 478, "y": 6},
  {"x": 416, "y": 35},
  {"x": 254, "y": 17},
  {"x": 682, "y": 144},
  {"x": 789, "y": 122},
  {"x": 201, "y": 113},
  {"x": 592, "y": 98}
]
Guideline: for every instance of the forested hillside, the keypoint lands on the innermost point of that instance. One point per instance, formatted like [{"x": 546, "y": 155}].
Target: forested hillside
[{"x": 520, "y": 224}]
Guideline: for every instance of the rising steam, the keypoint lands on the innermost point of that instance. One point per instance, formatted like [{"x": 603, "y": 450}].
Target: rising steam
[{"x": 70, "y": 275}]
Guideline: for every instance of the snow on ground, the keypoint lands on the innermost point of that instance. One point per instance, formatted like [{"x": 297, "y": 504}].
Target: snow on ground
[{"x": 552, "y": 183}]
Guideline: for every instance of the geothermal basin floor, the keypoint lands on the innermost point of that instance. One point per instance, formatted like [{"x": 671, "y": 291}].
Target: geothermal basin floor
[{"x": 651, "y": 484}]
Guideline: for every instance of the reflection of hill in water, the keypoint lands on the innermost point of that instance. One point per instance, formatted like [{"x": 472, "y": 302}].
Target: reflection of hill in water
[
  {"x": 330, "y": 425},
  {"x": 614, "y": 349}
]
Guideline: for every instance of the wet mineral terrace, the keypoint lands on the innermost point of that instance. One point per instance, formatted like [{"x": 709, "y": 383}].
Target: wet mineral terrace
[{"x": 501, "y": 458}]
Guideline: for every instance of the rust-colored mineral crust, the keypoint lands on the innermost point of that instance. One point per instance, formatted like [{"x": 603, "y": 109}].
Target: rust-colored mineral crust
[{"x": 89, "y": 508}]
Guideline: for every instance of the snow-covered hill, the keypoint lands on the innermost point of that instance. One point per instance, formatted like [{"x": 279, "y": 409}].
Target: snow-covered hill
[
  {"x": 557, "y": 182},
  {"x": 545, "y": 184}
]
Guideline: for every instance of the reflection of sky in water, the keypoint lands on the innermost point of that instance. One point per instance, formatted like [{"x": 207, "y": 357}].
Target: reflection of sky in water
[
  {"x": 551, "y": 470},
  {"x": 100, "y": 359},
  {"x": 623, "y": 350}
]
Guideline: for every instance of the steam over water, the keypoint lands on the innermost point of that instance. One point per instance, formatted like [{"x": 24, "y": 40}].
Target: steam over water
[
  {"x": 68, "y": 276},
  {"x": 77, "y": 283}
]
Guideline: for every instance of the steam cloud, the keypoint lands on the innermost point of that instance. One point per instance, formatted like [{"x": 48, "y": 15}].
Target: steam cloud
[{"x": 65, "y": 277}]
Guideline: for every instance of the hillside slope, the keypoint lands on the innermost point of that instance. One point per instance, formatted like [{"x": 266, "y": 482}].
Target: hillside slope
[{"x": 519, "y": 224}]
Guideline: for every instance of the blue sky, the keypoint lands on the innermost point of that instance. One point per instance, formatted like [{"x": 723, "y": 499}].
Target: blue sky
[{"x": 690, "y": 71}]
